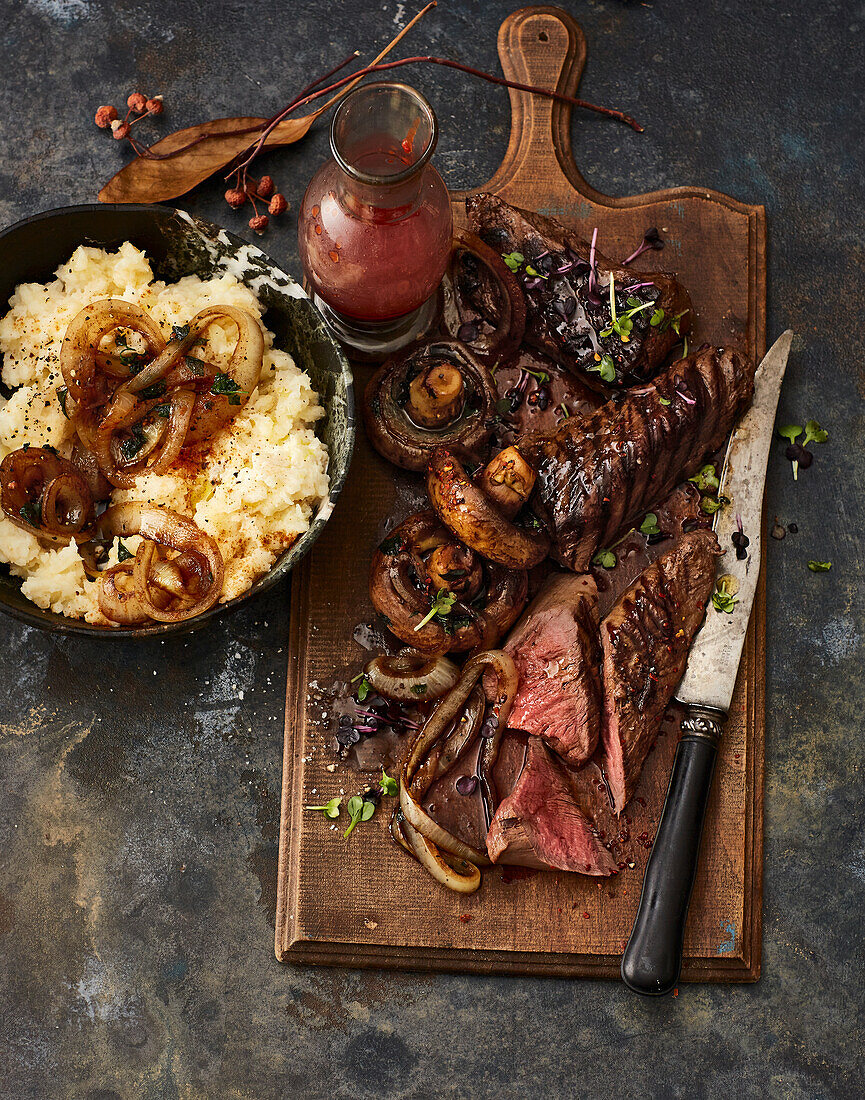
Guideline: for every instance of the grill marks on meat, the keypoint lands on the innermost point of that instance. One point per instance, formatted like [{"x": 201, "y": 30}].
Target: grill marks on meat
[
  {"x": 599, "y": 474},
  {"x": 556, "y": 649},
  {"x": 645, "y": 641},
  {"x": 563, "y": 320},
  {"x": 541, "y": 825}
]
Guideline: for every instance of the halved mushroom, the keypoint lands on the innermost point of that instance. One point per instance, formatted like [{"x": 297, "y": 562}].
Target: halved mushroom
[
  {"x": 432, "y": 395},
  {"x": 406, "y": 587},
  {"x": 481, "y": 513}
]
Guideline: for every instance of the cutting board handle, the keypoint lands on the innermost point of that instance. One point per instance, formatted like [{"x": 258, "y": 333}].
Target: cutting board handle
[{"x": 543, "y": 46}]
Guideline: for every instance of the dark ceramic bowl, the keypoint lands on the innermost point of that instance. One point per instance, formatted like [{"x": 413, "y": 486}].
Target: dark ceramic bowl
[{"x": 177, "y": 245}]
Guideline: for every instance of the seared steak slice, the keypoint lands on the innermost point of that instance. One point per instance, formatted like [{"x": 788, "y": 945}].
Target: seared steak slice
[
  {"x": 557, "y": 653},
  {"x": 597, "y": 475},
  {"x": 645, "y": 640},
  {"x": 540, "y": 824},
  {"x": 565, "y": 317}
]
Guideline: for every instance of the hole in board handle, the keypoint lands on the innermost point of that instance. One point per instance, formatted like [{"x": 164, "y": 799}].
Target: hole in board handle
[{"x": 543, "y": 37}]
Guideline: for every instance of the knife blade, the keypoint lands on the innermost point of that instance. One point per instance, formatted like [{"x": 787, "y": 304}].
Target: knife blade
[
  {"x": 652, "y": 959},
  {"x": 713, "y": 661}
]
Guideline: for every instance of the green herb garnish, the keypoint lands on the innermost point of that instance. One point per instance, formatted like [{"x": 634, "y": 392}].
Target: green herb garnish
[
  {"x": 389, "y": 785},
  {"x": 223, "y": 385},
  {"x": 656, "y": 318},
  {"x": 391, "y": 545},
  {"x": 31, "y": 513},
  {"x": 722, "y": 598},
  {"x": 62, "y": 394},
  {"x": 329, "y": 809},
  {"x": 711, "y": 505},
  {"x": 814, "y": 433},
  {"x": 706, "y": 478},
  {"x": 606, "y": 558},
  {"x": 649, "y": 526},
  {"x": 156, "y": 390},
  {"x": 418, "y": 689},
  {"x": 130, "y": 447},
  {"x": 363, "y": 688},
  {"x": 606, "y": 367},
  {"x": 442, "y": 606},
  {"x": 664, "y": 401},
  {"x": 541, "y": 375},
  {"x": 122, "y": 553},
  {"x": 622, "y": 323},
  {"x": 163, "y": 410},
  {"x": 514, "y": 260},
  {"x": 359, "y": 810},
  {"x": 179, "y": 332},
  {"x": 819, "y": 566}
]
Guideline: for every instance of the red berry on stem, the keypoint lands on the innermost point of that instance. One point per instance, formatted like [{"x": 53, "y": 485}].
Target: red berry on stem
[
  {"x": 259, "y": 223},
  {"x": 265, "y": 187},
  {"x": 119, "y": 130},
  {"x": 235, "y": 197},
  {"x": 136, "y": 102},
  {"x": 155, "y": 106},
  {"x": 278, "y": 204},
  {"x": 105, "y": 116}
]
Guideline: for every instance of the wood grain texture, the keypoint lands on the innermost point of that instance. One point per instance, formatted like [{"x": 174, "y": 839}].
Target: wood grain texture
[{"x": 361, "y": 902}]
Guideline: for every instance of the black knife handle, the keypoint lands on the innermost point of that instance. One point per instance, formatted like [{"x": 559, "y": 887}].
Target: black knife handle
[{"x": 653, "y": 957}]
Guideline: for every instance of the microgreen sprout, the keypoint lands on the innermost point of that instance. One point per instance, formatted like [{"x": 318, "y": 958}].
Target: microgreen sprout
[
  {"x": 389, "y": 785},
  {"x": 622, "y": 323},
  {"x": 706, "y": 479},
  {"x": 606, "y": 558},
  {"x": 724, "y": 597},
  {"x": 796, "y": 452},
  {"x": 359, "y": 809},
  {"x": 329, "y": 809},
  {"x": 651, "y": 240},
  {"x": 442, "y": 605},
  {"x": 819, "y": 566},
  {"x": 513, "y": 260},
  {"x": 649, "y": 526},
  {"x": 363, "y": 687}
]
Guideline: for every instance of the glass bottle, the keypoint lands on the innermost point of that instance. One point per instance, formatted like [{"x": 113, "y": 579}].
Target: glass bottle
[{"x": 375, "y": 223}]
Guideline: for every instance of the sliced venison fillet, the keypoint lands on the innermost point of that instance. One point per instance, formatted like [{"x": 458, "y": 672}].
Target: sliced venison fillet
[
  {"x": 564, "y": 315},
  {"x": 599, "y": 474},
  {"x": 540, "y": 824},
  {"x": 556, "y": 650},
  {"x": 645, "y": 640}
]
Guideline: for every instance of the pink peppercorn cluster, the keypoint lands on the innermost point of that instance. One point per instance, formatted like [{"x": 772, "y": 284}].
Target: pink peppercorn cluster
[
  {"x": 138, "y": 106},
  {"x": 254, "y": 192}
]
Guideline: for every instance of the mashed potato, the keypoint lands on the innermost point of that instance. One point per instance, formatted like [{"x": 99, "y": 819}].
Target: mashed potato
[{"x": 265, "y": 473}]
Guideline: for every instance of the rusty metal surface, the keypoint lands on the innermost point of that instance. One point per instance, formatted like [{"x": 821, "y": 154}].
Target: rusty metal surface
[{"x": 140, "y": 782}]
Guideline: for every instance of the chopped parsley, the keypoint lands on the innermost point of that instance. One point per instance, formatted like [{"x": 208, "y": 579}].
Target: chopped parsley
[
  {"x": 179, "y": 332},
  {"x": 122, "y": 553},
  {"x": 223, "y": 385},
  {"x": 31, "y": 513},
  {"x": 156, "y": 390},
  {"x": 392, "y": 545},
  {"x": 130, "y": 447},
  {"x": 418, "y": 689},
  {"x": 62, "y": 394}
]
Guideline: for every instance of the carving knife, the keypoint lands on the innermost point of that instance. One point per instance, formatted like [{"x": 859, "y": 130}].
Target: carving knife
[{"x": 653, "y": 957}]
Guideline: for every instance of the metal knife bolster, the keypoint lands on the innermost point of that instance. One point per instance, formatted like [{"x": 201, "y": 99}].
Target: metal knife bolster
[{"x": 703, "y": 723}]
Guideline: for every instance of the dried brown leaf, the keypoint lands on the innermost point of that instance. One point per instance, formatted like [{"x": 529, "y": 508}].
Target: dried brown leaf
[{"x": 145, "y": 180}]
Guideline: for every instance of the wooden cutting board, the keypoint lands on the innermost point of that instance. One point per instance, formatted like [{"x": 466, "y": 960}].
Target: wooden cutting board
[{"x": 362, "y": 902}]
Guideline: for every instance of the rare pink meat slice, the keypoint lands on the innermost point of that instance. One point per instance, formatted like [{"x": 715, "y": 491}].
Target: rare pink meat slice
[
  {"x": 541, "y": 825},
  {"x": 557, "y": 653},
  {"x": 645, "y": 640}
]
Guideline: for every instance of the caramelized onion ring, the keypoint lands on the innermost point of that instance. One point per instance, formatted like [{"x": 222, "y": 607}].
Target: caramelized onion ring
[
  {"x": 511, "y": 314},
  {"x": 411, "y": 677},
  {"x": 167, "y": 529},
  {"x": 44, "y": 494},
  {"x": 419, "y": 768},
  {"x": 79, "y": 353},
  {"x": 400, "y": 439},
  {"x": 470, "y": 514}
]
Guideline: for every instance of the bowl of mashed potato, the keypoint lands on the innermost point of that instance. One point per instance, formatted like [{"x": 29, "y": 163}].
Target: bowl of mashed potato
[{"x": 176, "y": 422}]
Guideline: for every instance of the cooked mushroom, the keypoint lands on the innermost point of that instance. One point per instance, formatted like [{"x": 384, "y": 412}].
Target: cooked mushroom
[
  {"x": 432, "y": 395},
  {"x": 405, "y": 586},
  {"x": 484, "y": 520}
]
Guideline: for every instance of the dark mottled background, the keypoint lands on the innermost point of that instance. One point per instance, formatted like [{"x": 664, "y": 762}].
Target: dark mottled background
[{"x": 139, "y": 817}]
